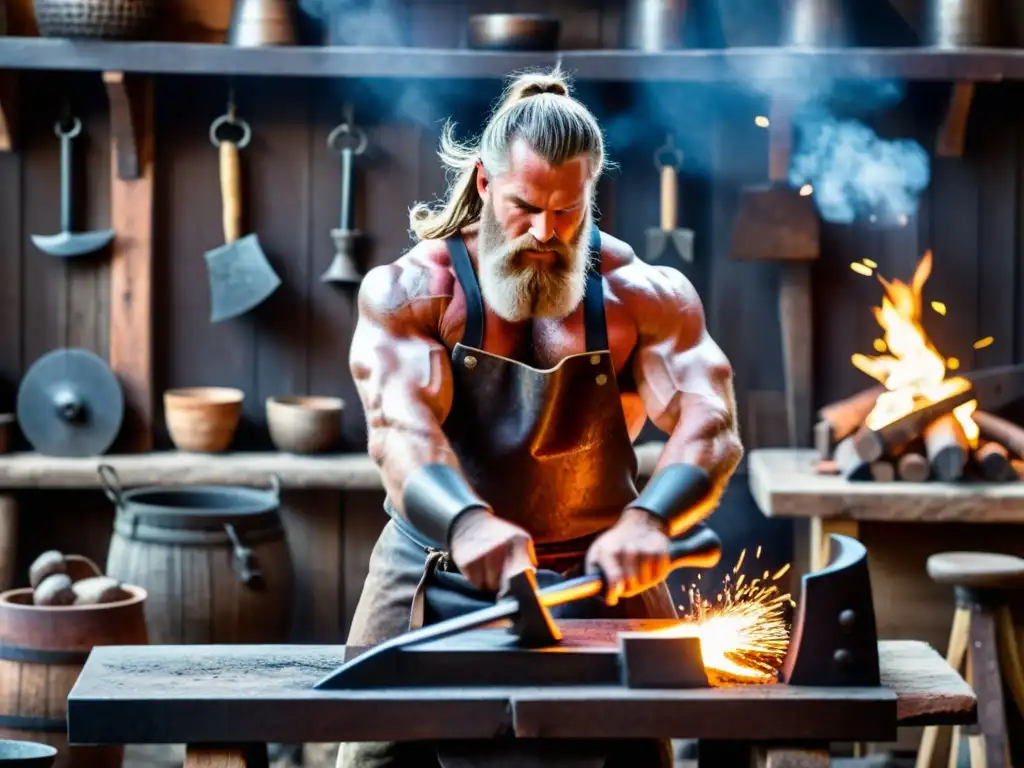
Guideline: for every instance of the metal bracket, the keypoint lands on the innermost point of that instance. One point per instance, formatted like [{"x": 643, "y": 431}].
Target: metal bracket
[{"x": 835, "y": 638}]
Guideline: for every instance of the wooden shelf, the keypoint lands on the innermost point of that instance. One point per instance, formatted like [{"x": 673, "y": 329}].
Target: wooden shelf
[
  {"x": 784, "y": 484},
  {"x": 747, "y": 65},
  {"x": 345, "y": 471}
]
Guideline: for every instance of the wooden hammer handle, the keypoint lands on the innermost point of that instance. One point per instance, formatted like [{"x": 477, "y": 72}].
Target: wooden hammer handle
[
  {"x": 669, "y": 198},
  {"x": 231, "y": 191},
  {"x": 780, "y": 141}
]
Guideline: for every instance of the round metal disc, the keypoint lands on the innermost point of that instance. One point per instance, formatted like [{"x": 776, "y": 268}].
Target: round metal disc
[{"x": 58, "y": 384}]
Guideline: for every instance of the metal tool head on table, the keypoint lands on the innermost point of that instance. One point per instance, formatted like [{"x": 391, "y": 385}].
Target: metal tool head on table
[
  {"x": 668, "y": 242},
  {"x": 386, "y": 663},
  {"x": 67, "y": 243}
]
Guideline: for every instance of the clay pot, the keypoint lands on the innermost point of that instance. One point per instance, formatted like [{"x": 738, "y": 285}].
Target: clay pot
[
  {"x": 105, "y": 19},
  {"x": 304, "y": 424},
  {"x": 203, "y": 419}
]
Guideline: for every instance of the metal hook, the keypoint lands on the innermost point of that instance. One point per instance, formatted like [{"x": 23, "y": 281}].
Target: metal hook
[
  {"x": 230, "y": 117},
  {"x": 670, "y": 149},
  {"x": 74, "y": 130},
  {"x": 349, "y": 129}
]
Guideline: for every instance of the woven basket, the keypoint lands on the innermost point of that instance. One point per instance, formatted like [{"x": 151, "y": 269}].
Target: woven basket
[{"x": 95, "y": 18}]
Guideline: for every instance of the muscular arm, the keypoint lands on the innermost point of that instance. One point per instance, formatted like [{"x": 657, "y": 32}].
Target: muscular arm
[
  {"x": 402, "y": 374},
  {"x": 684, "y": 380}
]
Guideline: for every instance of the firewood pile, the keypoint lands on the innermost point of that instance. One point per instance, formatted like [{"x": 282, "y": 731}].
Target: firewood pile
[{"x": 944, "y": 441}]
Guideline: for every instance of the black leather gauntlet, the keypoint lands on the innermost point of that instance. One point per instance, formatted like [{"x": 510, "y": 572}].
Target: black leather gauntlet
[
  {"x": 435, "y": 495},
  {"x": 674, "y": 491}
]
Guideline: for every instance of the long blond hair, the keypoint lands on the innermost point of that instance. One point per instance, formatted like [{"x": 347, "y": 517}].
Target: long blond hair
[{"x": 537, "y": 107}]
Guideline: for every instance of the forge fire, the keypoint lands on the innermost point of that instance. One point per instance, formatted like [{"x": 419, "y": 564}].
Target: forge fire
[{"x": 924, "y": 421}]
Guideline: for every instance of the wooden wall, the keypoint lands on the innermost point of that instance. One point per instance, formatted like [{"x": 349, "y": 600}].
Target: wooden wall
[{"x": 297, "y": 342}]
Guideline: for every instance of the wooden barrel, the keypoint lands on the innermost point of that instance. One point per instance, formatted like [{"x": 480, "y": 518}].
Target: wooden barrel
[
  {"x": 214, "y": 561},
  {"x": 42, "y": 650}
]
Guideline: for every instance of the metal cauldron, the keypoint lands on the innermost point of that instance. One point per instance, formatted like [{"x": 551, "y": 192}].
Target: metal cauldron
[
  {"x": 954, "y": 24},
  {"x": 814, "y": 24}
]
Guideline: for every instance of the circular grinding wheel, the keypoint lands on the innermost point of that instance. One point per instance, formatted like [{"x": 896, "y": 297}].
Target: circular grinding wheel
[{"x": 70, "y": 403}]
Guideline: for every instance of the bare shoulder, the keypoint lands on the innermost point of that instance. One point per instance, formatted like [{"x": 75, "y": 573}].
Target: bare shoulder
[
  {"x": 418, "y": 285},
  {"x": 648, "y": 291}
]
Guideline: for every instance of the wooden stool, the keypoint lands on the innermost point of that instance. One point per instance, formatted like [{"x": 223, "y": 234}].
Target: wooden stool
[{"x": 984, "y": 636}]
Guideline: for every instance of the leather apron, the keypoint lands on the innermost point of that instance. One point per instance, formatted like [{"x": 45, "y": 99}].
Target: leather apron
[{"x": 548, "y": 449}]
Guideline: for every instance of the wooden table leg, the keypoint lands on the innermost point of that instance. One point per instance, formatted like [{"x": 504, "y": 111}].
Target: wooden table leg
[
  {"x": 791, "y": 757},
  {"x": 226, "y": 756},
  {"x": 821, "y": 529}
]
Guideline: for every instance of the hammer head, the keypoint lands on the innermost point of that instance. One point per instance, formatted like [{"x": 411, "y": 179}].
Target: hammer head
[
  {"x": 776, "y": 223},
  {"x": 533, "y": 625}
]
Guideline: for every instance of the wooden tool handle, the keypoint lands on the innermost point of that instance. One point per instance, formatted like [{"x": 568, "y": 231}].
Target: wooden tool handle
[
  {"x": 780, "y": 141},
  {"x": 669, "y": 198},
  {"x": 231, "y": 191}
]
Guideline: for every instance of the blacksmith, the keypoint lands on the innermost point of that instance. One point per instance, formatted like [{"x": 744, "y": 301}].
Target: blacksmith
[{"x": 506, "y": 363}]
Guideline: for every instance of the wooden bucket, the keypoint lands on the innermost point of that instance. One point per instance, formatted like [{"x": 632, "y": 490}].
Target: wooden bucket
[
  {"x": 42, "y": 650},
  {"x": 214, "y": 561}
]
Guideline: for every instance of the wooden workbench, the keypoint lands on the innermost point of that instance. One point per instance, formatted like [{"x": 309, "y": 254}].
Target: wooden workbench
[{"x": 211, "y": 696}]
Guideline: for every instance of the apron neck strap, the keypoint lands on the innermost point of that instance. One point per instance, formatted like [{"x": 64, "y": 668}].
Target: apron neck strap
[
  {"x": 593, "y": 298},
  {"x": 473, "y": 335}
]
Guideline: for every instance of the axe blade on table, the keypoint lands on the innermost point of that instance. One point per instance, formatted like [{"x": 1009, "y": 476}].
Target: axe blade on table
[{"x": 700, "y": 547}]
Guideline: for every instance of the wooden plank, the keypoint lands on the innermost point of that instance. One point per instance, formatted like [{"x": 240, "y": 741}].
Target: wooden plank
[
  {"x": 196, "y": 352},
  {"x": 350, "y": 471},
  {"x": 278, "y": 191},
  {"x": 784, "y": 484},
  {"x": 131, "y": 275},
  {"x": 739, "y": 64},
  {"x": 312, "y": 522},
  {"x": 244, "y": 693}
]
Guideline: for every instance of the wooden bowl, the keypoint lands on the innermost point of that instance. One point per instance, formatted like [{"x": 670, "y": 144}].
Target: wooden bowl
[
  {"x": 203, "y": 419},
  {"x": 304, "y": 423}
]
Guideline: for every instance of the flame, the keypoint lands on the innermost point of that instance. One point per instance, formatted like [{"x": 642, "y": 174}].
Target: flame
[
  {"x": 743, "y": 633},
  {"x": 913, "y": 371}
]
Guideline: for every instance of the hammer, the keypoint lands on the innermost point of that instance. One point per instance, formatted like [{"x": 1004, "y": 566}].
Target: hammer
[{"x": 527, "y": 606}]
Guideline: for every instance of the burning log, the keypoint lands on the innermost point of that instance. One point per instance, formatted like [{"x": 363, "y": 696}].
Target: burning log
[
  {"x": 873, "y": 444},
  {"x": 913, "y": 467},
  {"x": 846, "y": 416},
  {"x": 993, "y": 462},
  {"x": 947, "y": 448},
  {"x": 1001, "y": 431}
]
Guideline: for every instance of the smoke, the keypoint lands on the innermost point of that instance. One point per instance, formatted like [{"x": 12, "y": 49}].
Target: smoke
[{"x": 855, "y": 173}]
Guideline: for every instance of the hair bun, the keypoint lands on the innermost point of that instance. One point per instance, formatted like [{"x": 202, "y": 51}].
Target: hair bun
[{"x": 536, "y": 88}]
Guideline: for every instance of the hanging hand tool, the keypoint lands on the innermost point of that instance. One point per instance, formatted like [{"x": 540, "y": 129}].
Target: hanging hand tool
[
  {"x": 240, "y": 275},
  {"x": 779, "y": 223},
  {"x": 68, "y": 243},
  {"x": 669, "y": 237},
  {"x": 700, "y": 547},
  {"x": 349, "y": 141}
]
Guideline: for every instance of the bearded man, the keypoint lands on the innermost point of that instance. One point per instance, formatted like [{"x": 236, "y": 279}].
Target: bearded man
[{"x": 505, "y": 364}]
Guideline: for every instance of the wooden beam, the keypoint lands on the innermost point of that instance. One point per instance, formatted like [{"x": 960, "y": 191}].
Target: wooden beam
[
  {"x": 953, "y": 131},
  {"x": 8, "y": 111},
  {"x": 131, "y": 269},
  {"x": 341, "y": 471},
  {"x": 126, "y": 95}
]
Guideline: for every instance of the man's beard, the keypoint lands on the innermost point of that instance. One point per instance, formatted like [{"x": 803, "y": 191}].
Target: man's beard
[{"x": 518, "y": 287}]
